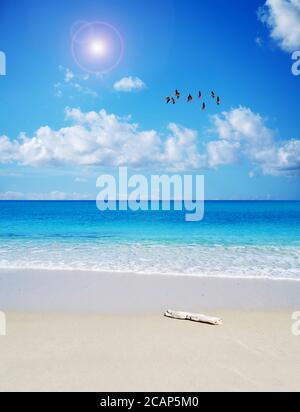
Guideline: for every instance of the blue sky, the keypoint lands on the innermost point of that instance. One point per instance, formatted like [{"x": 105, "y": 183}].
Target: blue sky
[{"x": 247, "y": 148}]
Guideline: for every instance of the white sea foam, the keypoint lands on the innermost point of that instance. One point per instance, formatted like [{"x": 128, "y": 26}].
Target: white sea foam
[{"x": 218, "y": 261}]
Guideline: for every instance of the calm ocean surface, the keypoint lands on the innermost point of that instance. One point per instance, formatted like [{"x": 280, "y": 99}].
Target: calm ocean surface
[{"x": 236, "y": 239}]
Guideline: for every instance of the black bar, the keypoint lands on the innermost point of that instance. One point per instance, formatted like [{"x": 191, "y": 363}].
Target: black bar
[{"x": 96, "y": 401}]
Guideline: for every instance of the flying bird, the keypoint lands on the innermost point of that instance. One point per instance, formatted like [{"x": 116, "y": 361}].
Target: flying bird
[{"x": 171, "y": 99}]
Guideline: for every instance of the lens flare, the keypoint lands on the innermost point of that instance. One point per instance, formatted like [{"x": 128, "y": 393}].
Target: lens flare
[{"x": 97, "y": 47}]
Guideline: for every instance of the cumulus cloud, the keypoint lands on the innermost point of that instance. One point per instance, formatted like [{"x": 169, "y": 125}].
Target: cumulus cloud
[
  {"x": 129, "y": 84},
  {"x": 45, "y": 196},
  {"x": 244, "y": 134},
  {"x": 102, "y": 139},
  {"x": 222, "y": 152},
  {"x": 8, "y": 149},
  {"x": 283, "y": 19}
]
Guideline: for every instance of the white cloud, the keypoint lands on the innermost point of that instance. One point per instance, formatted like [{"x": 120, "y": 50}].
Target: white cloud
[
  {"x": 243, "y": 134},
  {"x": 8, "y": 150},
  {"x": 222, "y": 152},
  {"x": 102, "y": 139},
  {"x": 180, "y": 151},
  {"x": 45, "y": 196},
  {"x": 286, "y": 159},
  {"x": 74, "y": 82},
  {"x": 283, "y": 19},
  {"x": 129, "y": 84}
]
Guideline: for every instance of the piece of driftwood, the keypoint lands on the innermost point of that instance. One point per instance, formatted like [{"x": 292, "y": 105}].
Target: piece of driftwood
[{"x": 194, "y": 317}]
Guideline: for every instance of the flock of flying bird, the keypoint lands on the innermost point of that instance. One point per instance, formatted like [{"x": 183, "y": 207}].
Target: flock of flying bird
[{"x": 171, "y": 99}]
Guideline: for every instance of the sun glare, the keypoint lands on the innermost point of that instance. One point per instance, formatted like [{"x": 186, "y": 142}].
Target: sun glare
[{"x": 97, "y": 48}]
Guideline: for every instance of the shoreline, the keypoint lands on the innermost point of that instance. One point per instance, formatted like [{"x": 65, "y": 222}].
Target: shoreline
[
  {"x": 154, "y": 274},
  {"x": 115, "y": 293}
]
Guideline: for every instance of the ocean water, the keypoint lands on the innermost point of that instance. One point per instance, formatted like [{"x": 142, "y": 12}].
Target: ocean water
[{"x": 235, "y": 239}]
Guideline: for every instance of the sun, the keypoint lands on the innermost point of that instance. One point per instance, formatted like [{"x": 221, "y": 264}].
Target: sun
[{"x": 97, "y": 48}]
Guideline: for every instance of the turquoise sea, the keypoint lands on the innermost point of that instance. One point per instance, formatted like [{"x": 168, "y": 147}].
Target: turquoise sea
[{"x": 235, "y": 239}]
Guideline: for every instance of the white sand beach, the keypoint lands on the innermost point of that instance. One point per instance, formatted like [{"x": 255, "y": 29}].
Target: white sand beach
[{"x": 79, "y": 331}]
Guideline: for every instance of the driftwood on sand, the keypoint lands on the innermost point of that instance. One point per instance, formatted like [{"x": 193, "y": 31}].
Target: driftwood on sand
[{"x": 194, "y": 317}]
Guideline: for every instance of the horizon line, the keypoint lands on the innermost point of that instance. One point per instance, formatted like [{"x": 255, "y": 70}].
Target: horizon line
[{"x": 151, "y": 200}]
